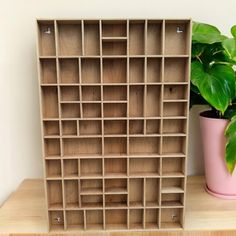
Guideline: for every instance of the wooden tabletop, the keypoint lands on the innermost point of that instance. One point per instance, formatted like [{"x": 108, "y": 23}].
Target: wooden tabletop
[{"x": 24, "y": 211}]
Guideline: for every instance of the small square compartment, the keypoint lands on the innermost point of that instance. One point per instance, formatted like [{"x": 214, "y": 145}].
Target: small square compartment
[
  {"x": 94, "y": 219},
  {"x": 136, "y": 70},
  {"x": 154, "y": 70},
  {"x": 172, "y": 109},
  {"x": 115, "y": 146},
  {"x": 91, "y": 110},
  {"x": 171, "y": 218},
  {"x": 91, "y": 201},
  {"x": 115, "y": 166},
  {"x": 174, "y": 145},
  {"x": 71, "y": 193},
  {"x": 152, "y": 192},
  {"x": 153, "y": 101},
  {"x": 172, "y": 199},
  {"x": 116, "y": 200},
  {"x": 69, "y": 38},
  {"x": 116, "y": 186},
  {"x": 172, "y": 185},
  {"x": 136, "y": 98},
  {"x": 174, "y": 126},
  {"x": 114, "y": 47},
  {"x": 114, "y": 93},
  {"x": 115, "y": 127},
  {"x": 69, "y": 127},
  {"x": 56, "y": 220},
  {"x": 136, "y": 127},
  {"x": 114, "y": 29},
  {"x": 91, "y": 186},
  {"x": 153, "y": 126},
  {"x": 136, "y": 218},
  {"x": 136, "y": 193},
  {"x": 71, "y": 168},
  {"x": 90, "y": 70},
  {"x": 75, "y": 220},
  {"x": 152, "y": 219},
  {"x": 54, "y": 194},
  {"x": 116, "y": 219},
  {"x": 91, "y": 167},
  {"x": 69, "y": 70},
  {"x": 90, "y": 127},
  {"x": 52, "y": 147},
  {"x": 174, "y": 92},
  {"x": 173, "y": 166},
  {"x": 91, "y": 93},
  {"x": 48, "y": 71},
  {"x": 115, "y": 110},
  {"x": 53, "y": 168},
  {"x": 114, "y": 70},
  {"x": 70, "y": 110},
  {"x": 51, "y": 128},
  {"x": 69, "y": 93}
]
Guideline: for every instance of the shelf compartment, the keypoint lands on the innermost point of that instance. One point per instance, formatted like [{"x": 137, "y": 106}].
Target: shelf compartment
[
  {"x": 53, "y": 168},
  {"x": 52, "y": 147},
  {"x": 90, "y": 127},
  {"x": 172, "y": 199},
  {"x": 48, "y": 71},
  {"x": 50, "y": 102},
  {"x": 119, "y": 110},
  {"x": 172, "y": 109},
  {"x": 91, "y": 187},
  {"x": 116, "y": 186},
  {"x": 91, "y": 201},
  {"x": 69, "y": 93},
  {"x": 136, "y": 127},
  {"x": 116, "y": 201},
  {"x": 114, "y": 48},
  {"x": 54, "y": 193},
  {"x": 174, "y": 127},
  {"x": 77, "y": 146},
  {"x": 94, "y": 219},
  {"x": 114, "y": 70},
  {"x": 46, "y": 40},
  {"x": 70, "y": 110},
  {"x": 152, "y": 192},
  {"x": 136, "y": 37},
  {"x": 171, "y": 218},
  {"x": 91, "y": 167},
  {"x": 115, "y": 127},
  {"x": 69, "y": 127},
  {"x": 154, "y": 37},
  {"x": 152, "y": 219},
  {"x": 136, "y": 100},
  {"x": 91, "y": 38},
  {"x": 154, "y": 70},
  {"x": 69, "y": 38},
  {"x": 136, "y": 193},
  {"x": 174, "y": 145},
  {"x": 75, "y": 220},
  {"x": 176, "y": 70},
  {"x": 71, "y": 168},
  {"x": 116, "y": 219},
  {"x": 153, "y": 101},
  {"x": 114, "y": 28},
  {"x": 115, "y": 146},
  {"x": 56, "y": 220},
  {"x": 147, "y": 145},
  {"x": 115, "y": 93},
  {"x": 90, "y": 71},
  {"x": 136, "y": 70},
  {"x": 136, "y": 218},
  {"x": 173, "y": 166},
  {"x": 144, "y": 166},
  {"x": 91, "y": 110},
  {"x": 71, "y": 193},
  {"x": 91, "y": 93},
  {"x": 51, "y": 128},
  {"x": 176, "y": 37},
  {"x": 69, "y": 70},
  {"x": 175, "y": 92},
  {"x": 172, "y": 185},
  {"x": 153, "y": 126}
]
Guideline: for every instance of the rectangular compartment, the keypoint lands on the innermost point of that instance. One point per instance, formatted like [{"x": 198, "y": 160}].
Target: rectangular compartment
[
  {"x": 115, "y": 146},
  {"x": 172, "y": 199},
  {"x": 177, "y": 37},
  {"x": 54, "y": 194},
  {"x": 91, "y": 201},
  {"x": 48, "y": 71},
  {"x": 56, "y": 220},
  {"x": 71, "y": 168},
  {"x": 52, "y": 147},
  {"x": 75, "y": 220},
  {"x": 171, "y": 218},
  {"x": 91, "y": 186},
  {"x": 144, "y": 146},
  {"x": 91, "y": 93},
  {"x": 69, "y": 38},
  {"x": 50, "y": 102},
  {"x": 115, "y": 110},
  {"x": 69, "y": 127},
  {"x": 69, "y": 93},
  {"x": 136, "y": 193},
  {"x": 173, "y": 145},
  {"x": 114, "y": 47},
  {"x": 90, "y": 71},
  {"x": 136, "y": 37},
  {"x": 51, "y": 128},
  {"x": 114, "y": 93},
  {"x": 136, "y": 127},
  {"x": 116, "y": 219},
  {"x": 114, "y": 28},
  {"x": 91, "y": 110},
  {"x": 172, "y": 185},
  {"x": 174, "y": 92},
  {"x": 176, "y": 70},
  {"x": 154, "y": 37},
  {"x": 91, "y": 38},
  {"x": 116, "y": 200},
  {"x": 152, "y": 192},
  {"x": 70, "y": 110},
  {"x": 136, "y": 70},
  {"x": 85, "y": 146},
  {"x": 136, "y": 101},
  {"x": 173, "y": 166},
  {"x": 90, "y": 127},
  {"x": 115, "y": 186},
  {"x": 91, "y": 167},
  {"x": 116, "y": 166},
  {"x": 71, "y": 193},
  {"x": 114, "y": 70},
  {"x": 153, "y": 101},
  {"x": 94, "y": 219},
  {"x": 174, "y": 126},
  {"x": 172, "y": 109},
  {"x": 153, "y": 126},
  {"x": 136, "y": 218},
  {"x": 69, "y": 70},
  {"x": 115, "y": 127},
  {"x": 152, "y": 218},
  {"x": 53, "y": 168},
  {"x": 46, "y": 40},
  {"x": 154, "y": 70}
]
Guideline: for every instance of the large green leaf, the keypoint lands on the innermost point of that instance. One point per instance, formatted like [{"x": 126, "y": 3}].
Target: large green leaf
[
  {"x": 233, "y": 31},
  {"x": 198, "y": 49},
  {"x": 230, "y": 48}
]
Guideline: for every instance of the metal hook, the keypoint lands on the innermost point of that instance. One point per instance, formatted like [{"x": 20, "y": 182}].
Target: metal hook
[
  {"x": 57, "y": 219},
  {"x": 47, "y": 31},
  {"x": 179, "y": 30},
  {"x": 174, "y": 217}
]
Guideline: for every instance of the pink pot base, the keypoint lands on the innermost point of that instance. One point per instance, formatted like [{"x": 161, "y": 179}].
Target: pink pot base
[{"x": 218, "y": 195}]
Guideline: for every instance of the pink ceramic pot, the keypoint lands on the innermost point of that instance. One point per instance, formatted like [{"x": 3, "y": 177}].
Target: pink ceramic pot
[{"x": 218, "y": 181}]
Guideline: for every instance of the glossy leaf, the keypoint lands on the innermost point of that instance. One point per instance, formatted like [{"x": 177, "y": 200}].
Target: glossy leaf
[
  {"x": 198, "y": 49},
  {"x": 233, "y": 31},
  {"x": 230, "y": 48}
]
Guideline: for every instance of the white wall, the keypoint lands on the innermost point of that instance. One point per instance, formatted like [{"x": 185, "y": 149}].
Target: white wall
[{"x": 20, "y": 155}]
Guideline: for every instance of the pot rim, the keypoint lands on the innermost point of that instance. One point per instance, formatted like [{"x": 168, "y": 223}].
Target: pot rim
[{"x": 205, "y": 114}]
